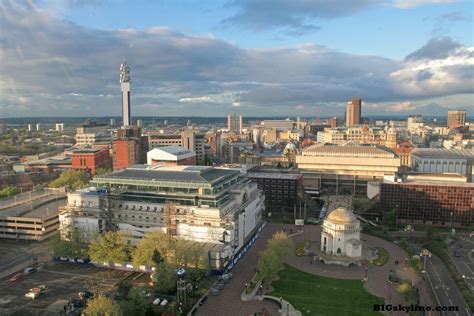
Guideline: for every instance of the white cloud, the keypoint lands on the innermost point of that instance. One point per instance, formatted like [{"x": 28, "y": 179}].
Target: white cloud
[
  {"x": 236, "y": 104},
  {"x": 402, "y": 107},
  {"x": 408, "y": 4},
  {"x": 196, "y": 99}
]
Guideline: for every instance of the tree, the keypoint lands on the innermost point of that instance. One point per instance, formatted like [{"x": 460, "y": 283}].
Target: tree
[
  {"x": 271, "y": 259},
  {"x": 69, "y": 243},
  {"x": 75, "y": 179},
  {"x": 9, "y": 191},
  {"x": 156, "y": 257},
  {"x": 102, "y": 171},
  {"x": 123, "y": 289},
  {"x": 164, "y": 279},
  {"x": 143, "y": 253},
  {"x": 389, "y": 218},
  {"x": 408, "y": 292},
  {"x": 110, "y": 247},
  {"x": 102, "y": 306}
]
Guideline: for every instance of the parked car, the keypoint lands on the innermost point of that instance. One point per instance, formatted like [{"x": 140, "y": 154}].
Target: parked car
[
  {"x": 43, "y": 287},
  {"x": 156, "y": 301},
  {"x": 30, "y": 270},
  {"x": 16, "y": 277},
  {"x": 85, "y": 295},
  {"x": 33, "y": 293},
  {"x": 164, "y": 302}
]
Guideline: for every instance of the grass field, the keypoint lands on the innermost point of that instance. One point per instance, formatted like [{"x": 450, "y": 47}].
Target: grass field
[{"x": 316, "y": 295}]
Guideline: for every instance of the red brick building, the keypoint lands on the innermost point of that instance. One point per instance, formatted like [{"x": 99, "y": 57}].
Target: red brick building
[
  {"x": 430, "y": 203},
  {"x": 90, "y": 159},
  {"x": 129, "y": 148}
]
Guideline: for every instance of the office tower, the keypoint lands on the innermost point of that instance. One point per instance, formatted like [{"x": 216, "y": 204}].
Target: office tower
[
  {"x": 112, "y": 122},
  {"x": 125, "y": 88},
  {"x": 456, "y": 118},
  {"x": 234, "y": 123},
  {"x": 353, "y": 112},
  {"x": 129, "y": 148},
  {"x": 139, "y": 123},
  {"x": 38, "y": 126},
  {"x": 30, "y": 127},
  {"x": 332, "y": 122}
]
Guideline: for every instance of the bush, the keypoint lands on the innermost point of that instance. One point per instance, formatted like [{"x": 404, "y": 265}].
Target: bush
[{"x": 382, "y": 257}]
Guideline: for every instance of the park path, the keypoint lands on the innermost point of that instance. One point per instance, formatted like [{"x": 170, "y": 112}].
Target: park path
[
  {"x": 228, "y": 301},
  {"x": 377, "y": 283}
]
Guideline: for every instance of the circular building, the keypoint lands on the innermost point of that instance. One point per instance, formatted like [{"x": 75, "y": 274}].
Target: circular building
[{"x": 340, "y": 234}]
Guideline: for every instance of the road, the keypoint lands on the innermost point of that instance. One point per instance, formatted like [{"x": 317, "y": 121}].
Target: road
[
  {"x": 15, "y": 255},
  {"x": 444, "y": 286},
  {"x": 464, "y": 263}
]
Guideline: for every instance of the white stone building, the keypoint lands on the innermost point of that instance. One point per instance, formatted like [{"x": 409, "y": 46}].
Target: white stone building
[{"x": 340, "y": 234}]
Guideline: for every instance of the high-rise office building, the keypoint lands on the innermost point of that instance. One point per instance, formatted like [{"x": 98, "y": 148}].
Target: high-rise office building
[
  {"x": 59, "y": 127},
  {"x": 125, "y": 88},
  {"x": 353, "y": 112},
  {"x": 456, "y": 118},
  {"x": 234, "y": 123}
]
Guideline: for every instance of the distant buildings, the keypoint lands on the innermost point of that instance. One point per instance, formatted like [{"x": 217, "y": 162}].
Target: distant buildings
[
  {"x": 345, "y": 168},
  {"x": 279, "y": 125},
  {"x": 234, "y": 123},
  {"x": 171, "y": 155},
  {"x": 59, "y": 127},
  {"x": 353, "y": 112},
  {"x": 216, "y": 207},
  {"x": 93, "y": 134},
  {"x": 90, "y": 159},
  {"x": 456, "y": 118},
  {"x": 3, "y": 128}
]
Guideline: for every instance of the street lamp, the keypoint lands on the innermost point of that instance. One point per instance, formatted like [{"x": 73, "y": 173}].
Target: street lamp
[{"x": 425, "y": 253}]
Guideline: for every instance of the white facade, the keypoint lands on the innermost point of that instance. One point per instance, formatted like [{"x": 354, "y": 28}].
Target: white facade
[
  {"x": 169, "y": 153},
  {"x": 340, "y": 235}
]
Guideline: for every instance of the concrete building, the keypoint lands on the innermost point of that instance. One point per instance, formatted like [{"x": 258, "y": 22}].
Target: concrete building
[
  {"x": 125, "y": 88},
  {"x": 234, "y": 123},
  {"x": 345, "y": 168},
  {"x": 280, "y": 188},
  {"x": 38, "y": 126},
  {"x": 414, "y": 122},
  {"x": 90, "y": 159},
  {"x": 197, "y": 203},
  {"x": 357, "y": 134},
  {"x": 340, "y": 234},
  {"x": 31, "y": 216},
  {"x": 93, "y": 134},
  {"x": 171, "y": 155},
  {"x": 353, "y": 112},
  {"x": 3, "y": 128},
  {"x": 188, "y": 139},
  {"x": 30, "y": 127},
  {"x": 436, "y": 202},
  {"x": 279, "y": 125},
  {"x": 441, "y": 160},
  {"x": 456, "y": 118},
  {"x": 59, "y": 127}
]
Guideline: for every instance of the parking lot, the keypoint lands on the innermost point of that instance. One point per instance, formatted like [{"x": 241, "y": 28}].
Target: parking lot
[{"x": 64, "y": 281}]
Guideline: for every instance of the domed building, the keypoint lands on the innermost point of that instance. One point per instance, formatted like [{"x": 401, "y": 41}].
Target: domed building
[
  {"x": 340, "y": 234},
  {"x": 290, "y": 149}
]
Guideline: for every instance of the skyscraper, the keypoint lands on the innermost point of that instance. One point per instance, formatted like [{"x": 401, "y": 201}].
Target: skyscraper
[
  {"x": 456, "y": 118},
  {"x": 234, "y": 123},
  {"x": 125, "y": 88},
  {"x": 353, "y": 112}
]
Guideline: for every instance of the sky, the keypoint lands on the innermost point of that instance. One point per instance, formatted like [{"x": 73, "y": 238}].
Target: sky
[{"x": 252, "y": 57}]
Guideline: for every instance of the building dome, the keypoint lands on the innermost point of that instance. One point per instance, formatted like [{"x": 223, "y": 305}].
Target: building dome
[
  {"x": 341, "y": 216},
  {"x": 290, "y": 148}
]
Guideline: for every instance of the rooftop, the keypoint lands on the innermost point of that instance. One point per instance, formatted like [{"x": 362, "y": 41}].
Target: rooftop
[
  {"x": 443, "y": 153},
  {"x": 348, "y": 149},
  {"x": 195, "y": 174},
  {"x": 88, "y": 150},
  {"x": 274, "y": 175}
]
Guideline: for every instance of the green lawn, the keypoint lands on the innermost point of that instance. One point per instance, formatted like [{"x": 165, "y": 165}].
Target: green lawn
[{"x": 324, "y": 296}]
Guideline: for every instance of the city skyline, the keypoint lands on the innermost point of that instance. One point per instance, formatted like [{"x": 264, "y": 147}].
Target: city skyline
[{"x": 189, "y": 67}]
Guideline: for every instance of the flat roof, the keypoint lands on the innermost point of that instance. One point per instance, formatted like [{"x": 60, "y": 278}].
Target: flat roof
[
  {"x": 201, "y": 174},
  {"x": 274, "y": 175},
  {"x": 432, "y": 183},
  {"x": 88, "y": 150},
  {"x": 443, "y": 153}
]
